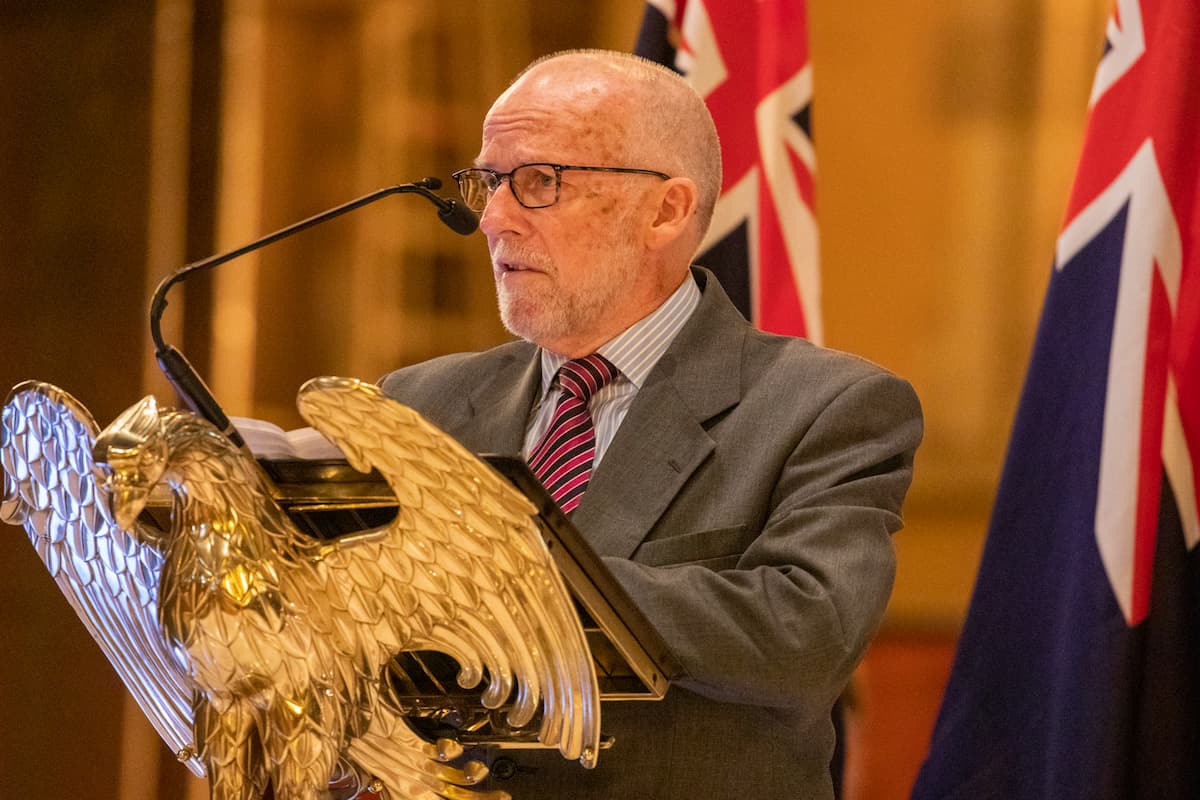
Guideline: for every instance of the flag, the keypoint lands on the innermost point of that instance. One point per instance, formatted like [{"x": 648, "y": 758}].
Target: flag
[
  {"x": 1078, "y": 669},
  {"x": 749, "y": 60}
]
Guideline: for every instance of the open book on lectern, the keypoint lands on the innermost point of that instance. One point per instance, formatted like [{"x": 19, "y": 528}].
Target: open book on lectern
[{"x": 326, "y": 498}]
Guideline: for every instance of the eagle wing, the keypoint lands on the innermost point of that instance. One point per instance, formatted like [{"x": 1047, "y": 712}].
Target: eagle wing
[
  {"x": 462, "y": 569},
  {"x": 108, "y": 575}
]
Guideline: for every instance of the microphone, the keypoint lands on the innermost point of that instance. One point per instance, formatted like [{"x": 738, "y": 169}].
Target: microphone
[
  {"x": 183, "y": 376},
  {"x": 456, "y": 216}
]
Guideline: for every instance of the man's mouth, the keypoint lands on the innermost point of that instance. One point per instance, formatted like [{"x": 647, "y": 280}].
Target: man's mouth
[
  {"x": 505, "y": 266},
  {"x": 508, "y": 259}
]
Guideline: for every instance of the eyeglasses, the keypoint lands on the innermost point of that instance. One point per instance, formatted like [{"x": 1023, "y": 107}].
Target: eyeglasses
[{"x": 534, "y": 185}]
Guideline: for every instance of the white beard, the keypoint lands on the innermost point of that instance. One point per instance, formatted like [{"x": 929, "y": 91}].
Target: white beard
[{"x": 547, "y": 312}]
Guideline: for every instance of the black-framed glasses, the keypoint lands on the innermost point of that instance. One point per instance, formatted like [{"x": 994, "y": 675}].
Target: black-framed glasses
[{"x": 534, "y": 185}]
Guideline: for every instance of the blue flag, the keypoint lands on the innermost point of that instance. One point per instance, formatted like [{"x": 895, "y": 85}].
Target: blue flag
[{"x": 1078, "y": 670}]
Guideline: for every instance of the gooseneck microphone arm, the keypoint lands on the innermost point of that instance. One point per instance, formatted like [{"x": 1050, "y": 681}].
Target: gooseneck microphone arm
[{"x": 175, "y": 366}]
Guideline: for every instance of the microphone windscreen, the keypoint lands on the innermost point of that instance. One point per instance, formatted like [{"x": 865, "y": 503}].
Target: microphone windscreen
[{"x": 459, "y": 218}]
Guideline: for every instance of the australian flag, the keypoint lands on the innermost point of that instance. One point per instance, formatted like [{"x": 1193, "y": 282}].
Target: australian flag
[
  {"x": 749, "y": 60},
  {"x": 1078, "y": 670}
]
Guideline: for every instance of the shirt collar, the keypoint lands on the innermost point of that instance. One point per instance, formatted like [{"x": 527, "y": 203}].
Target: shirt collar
[{"x": 636, "y": 350}]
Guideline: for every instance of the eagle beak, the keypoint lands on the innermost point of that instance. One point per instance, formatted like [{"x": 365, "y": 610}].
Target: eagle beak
[
  {"x": 126, "y": 501},
  {"x": 130, "y": 456}
]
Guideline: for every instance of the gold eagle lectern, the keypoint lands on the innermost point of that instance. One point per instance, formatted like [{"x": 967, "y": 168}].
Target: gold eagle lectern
[{"x": 261, "y": 653}]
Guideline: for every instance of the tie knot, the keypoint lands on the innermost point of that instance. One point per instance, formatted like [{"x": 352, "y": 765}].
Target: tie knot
[{"x": 582, "y": 377}]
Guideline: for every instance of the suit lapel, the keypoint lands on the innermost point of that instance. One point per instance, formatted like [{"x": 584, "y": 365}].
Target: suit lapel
[
  {"x": 500, "y": 406},
  {"x": 663, "y": 438}
]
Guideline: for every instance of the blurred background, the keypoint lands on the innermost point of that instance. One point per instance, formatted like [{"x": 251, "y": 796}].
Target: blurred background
[{"x": 143, "y": 134}]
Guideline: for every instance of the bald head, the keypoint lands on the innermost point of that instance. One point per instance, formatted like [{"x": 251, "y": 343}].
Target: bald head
[{"x": 641, "y": 114}]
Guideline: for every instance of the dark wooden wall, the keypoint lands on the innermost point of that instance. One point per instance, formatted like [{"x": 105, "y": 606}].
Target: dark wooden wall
[
  {"x": 73, "y": 194},
  {"x": 75, "y": 155}
]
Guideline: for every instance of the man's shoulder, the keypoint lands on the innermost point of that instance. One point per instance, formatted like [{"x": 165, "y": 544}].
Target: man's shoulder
[
  {"x": 768, "y": 351},
  {"x": 455, "y": 372},
  {"x": 775, "y": 365},
  {"x": 718, "y": 322}
]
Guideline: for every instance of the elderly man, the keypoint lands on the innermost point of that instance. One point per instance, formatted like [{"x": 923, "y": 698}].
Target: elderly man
[{"x": 742, "y": 487}]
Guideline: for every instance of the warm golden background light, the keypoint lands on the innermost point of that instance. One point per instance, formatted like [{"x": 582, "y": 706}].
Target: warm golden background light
[{"x": 141, "y": 135}]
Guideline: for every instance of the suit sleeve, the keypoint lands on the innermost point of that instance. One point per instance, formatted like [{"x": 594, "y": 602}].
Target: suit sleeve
[{"x": 786, "y": 626}]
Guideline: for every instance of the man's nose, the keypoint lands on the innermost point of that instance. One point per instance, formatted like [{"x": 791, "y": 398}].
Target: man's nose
[{"x": 502, "y": 212}]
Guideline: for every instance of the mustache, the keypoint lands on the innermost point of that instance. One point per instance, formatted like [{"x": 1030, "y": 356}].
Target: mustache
[{"x": 510, "y": 253}]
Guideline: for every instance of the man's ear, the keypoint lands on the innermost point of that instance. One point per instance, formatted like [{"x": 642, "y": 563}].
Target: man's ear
[{"x": 678, "y": 199}]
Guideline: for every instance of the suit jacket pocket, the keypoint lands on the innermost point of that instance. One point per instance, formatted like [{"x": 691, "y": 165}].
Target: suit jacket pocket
[{"x": 717, "y": 548}]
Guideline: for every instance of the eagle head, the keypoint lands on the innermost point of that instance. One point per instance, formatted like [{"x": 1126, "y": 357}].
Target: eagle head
[{"x": 131, "y": 456}]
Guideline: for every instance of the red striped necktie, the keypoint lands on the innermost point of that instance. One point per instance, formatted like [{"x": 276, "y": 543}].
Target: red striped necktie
[{"x": 562, "y": 459}]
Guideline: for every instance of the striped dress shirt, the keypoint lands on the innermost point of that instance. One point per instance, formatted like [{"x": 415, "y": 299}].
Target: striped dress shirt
[{"x": 633, "y": 352}]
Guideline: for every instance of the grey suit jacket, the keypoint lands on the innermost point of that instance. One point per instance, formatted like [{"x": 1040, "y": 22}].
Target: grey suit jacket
[{"x": 746, "y": 504}]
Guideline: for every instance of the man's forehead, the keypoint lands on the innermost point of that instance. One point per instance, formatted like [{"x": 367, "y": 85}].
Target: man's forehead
[{"x": 558, "y": 114}]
